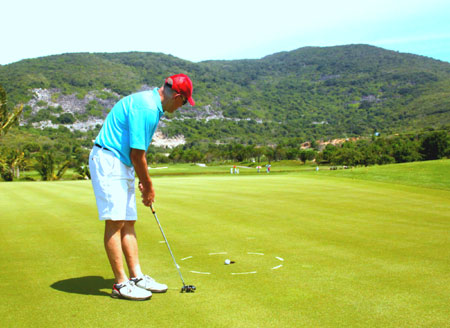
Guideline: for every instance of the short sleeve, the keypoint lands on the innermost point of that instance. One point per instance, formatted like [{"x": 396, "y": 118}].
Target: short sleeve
[{"x": 140, "y": 122}]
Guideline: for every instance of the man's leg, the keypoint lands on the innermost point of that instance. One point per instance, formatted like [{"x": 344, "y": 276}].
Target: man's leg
[
  {"x": 130, "y": 249},
  {"x": 113, "y": 247}
]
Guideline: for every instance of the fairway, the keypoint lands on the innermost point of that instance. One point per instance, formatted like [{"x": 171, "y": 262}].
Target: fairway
[{"x": 310, "y": 251}]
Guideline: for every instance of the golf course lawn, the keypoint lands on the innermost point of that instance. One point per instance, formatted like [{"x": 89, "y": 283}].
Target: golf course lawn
[{"x": 312, "y": 249}]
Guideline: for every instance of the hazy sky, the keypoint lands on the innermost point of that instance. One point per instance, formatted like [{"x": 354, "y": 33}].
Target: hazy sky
[{"x": 199, "y": 30}]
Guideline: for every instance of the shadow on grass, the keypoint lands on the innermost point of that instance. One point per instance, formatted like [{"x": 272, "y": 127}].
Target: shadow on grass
[{"x": 90, "y": 285}]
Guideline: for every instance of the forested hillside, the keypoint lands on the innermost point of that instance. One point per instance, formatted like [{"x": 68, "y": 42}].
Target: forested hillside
[
  {"x": 396, "y": 108},
  {"x": 306, "y": 94}
]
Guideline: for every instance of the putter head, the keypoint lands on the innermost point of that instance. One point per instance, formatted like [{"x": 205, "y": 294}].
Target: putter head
[{"x": 188, "y": 289}]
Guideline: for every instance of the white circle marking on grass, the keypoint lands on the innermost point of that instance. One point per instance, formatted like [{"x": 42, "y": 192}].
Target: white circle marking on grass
[{"x": 237, "y": 273}]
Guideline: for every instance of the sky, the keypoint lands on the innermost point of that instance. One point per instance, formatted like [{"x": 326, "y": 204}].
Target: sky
[{"x": 198, "y": 30}]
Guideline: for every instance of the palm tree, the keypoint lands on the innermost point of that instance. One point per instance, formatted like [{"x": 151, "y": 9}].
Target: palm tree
[
  {"x": 46, "y": 166},
  {"x": 10, "y": 161},
  {"x": 7, "y": 119},
  {"x": 5, "y": 173},
  {"x": 83, "y": 171}
]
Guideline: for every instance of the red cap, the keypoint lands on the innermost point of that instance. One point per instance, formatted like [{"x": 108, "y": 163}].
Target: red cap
[{"x": 182, "y": 84}]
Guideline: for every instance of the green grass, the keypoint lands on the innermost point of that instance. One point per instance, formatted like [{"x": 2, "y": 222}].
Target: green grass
[
  {"x": 430, "y": 174},
  {"x": 224, "y": 169},
  {"x": 357, "y": 253},
  {"x": 32, "y": 175},
  {"x": 195, "y": 169}
]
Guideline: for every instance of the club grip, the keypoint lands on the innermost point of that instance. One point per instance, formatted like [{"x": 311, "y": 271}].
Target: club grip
[{"x": 152, "y": 209}]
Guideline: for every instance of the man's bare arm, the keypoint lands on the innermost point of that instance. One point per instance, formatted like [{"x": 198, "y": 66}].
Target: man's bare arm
[{"x": 139, "y": 161}]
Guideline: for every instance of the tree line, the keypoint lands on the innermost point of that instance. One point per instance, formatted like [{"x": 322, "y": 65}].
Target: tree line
[
  {"x": 60, "y": 151},
  {"x": 428, "y": 145},
  {"x": 388, "y": 150}
]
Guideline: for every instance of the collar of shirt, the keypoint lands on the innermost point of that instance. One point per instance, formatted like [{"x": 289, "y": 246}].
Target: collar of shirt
[{"x": 157, "y": 100}]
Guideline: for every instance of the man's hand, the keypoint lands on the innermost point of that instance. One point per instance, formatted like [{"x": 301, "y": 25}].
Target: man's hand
[{"x": 147, "y": 194}]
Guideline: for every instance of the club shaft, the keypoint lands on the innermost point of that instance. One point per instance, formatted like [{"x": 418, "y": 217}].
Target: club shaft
[{"x": 168, "y": 246}]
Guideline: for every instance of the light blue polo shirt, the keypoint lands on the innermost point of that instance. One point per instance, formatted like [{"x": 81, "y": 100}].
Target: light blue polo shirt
[{"x": 131, "y": 123}]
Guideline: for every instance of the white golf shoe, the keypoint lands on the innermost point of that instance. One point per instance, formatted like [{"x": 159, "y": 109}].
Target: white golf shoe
[
  {"x": 148, "y": 283},
  {"x": 130, "y": 291}
]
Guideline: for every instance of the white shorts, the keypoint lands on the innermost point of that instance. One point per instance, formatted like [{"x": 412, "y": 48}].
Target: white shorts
[{"x": 113, "y": 184}]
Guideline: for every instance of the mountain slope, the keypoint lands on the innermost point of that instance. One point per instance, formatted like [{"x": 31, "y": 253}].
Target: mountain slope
[{"x": 306, "y": 93}]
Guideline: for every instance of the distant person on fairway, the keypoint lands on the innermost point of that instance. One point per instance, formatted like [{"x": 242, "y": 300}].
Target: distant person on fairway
[{"x": 120, "y": 151}]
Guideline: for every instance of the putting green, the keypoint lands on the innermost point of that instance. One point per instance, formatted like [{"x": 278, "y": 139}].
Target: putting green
[{"x": 310, "y": 251}]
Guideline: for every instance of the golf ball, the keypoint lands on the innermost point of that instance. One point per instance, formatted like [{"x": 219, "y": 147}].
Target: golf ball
[{"x": 227, "y": 261}]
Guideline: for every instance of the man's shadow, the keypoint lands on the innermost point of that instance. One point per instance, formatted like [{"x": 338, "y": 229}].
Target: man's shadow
[{"x": 90, "y": 285}]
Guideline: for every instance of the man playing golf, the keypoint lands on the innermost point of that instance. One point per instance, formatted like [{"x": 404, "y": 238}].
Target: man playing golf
[{"x": 120, "y": 152}]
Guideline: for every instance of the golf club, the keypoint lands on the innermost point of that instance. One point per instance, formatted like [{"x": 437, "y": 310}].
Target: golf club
[{"x": 185, "y": 288}]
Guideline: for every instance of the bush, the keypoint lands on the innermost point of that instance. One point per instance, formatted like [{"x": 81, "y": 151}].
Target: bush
[
  {"x": 66, "y": 118},
  {"x": 435, "y": 145},
  {"x": 161, "y": 158}
]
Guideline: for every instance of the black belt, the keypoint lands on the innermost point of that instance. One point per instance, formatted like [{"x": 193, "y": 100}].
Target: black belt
[{"x": 97, "y": 145}]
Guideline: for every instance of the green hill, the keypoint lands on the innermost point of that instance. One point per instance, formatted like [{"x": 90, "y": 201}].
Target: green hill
[{"x": 306, "y": 93}]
